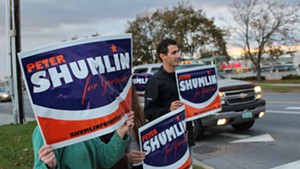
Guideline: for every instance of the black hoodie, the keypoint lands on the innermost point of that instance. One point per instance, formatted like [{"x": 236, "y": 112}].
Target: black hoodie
[{"x": 160, "y": 92}]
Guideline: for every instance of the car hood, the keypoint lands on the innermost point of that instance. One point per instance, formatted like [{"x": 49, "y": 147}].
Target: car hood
[{"x": 229, "y": 84}]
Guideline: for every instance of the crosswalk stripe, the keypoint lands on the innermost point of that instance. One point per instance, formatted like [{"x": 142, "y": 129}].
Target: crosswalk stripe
[
  {"x": 282, "y": 112},
  {"x": 295, "y": 164},
  {"x": 261, "y": 138},
  {"x": 283, "y": 102},
  {"x": 292, "y": 108},
  {"x": 234, "y": 135}
]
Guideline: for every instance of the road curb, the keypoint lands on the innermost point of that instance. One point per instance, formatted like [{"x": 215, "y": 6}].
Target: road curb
[
  {"x": 199, "y": 163},
  {"x": 6, "y": 119}
]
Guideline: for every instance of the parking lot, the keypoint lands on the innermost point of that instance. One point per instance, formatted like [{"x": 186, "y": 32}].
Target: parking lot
[{"x": 277, "y": 75}]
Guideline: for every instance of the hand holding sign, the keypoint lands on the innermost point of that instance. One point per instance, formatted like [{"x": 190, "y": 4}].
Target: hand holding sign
[
  {"x": 175, "y": 105},
  {"x": 47, "y": 155},
  {"x": 136, "y": 157},
  {"x": 129, "y": 123}
]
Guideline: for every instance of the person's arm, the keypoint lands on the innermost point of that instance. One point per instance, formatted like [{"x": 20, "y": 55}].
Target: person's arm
[
  {"x": 109, "y": 154},
  {"x": 152, "y": 109},
  {"x": 44, "y": 156},
  {"x": 135, "y": 156}
]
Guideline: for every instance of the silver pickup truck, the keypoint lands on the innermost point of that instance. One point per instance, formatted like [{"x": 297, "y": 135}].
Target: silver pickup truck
[{"x": 242, "y": 101}]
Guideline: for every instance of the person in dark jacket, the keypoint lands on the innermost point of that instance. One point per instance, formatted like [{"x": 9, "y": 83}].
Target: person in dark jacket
[{"x": 161, "y": 95}]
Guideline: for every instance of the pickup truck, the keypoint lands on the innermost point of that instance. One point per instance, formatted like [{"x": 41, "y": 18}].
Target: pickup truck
[{"x": 242, "y": 101}]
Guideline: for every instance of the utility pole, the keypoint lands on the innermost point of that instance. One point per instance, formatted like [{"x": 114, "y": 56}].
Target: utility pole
[{"x": 15, "y": 42}]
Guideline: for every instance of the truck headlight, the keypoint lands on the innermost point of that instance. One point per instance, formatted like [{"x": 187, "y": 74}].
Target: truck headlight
[
  {"x": 222, "y": 97},
  {"x": 258, "y": 94},
  {"x": 222, "y": 122},
  {"x": 257, "y": 89},
  {"x": 4, "y": 95}
]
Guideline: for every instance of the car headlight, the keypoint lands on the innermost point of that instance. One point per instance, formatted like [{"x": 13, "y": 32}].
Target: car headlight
[
  {"x": 258, "y": 94},
  {"x": 257, "y": 89},
  {"x": 222, "y": 97},
  {"x": 5, "y": 95}
]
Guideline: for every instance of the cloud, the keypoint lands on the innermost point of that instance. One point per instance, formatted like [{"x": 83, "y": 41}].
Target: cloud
[{"x": 44, "y": 22}]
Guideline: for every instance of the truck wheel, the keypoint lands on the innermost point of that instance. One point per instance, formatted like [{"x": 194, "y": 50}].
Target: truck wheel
[
  {"x": 198, "y": 130},
  {"x": 243, "y": 126}
]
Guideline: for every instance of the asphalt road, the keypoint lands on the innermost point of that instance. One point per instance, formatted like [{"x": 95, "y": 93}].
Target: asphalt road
[
  {"x": 7, "y": 107},
  {"x": 272, "y": 142}
]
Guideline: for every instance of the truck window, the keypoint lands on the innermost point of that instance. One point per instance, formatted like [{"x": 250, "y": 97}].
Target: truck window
[{"x": 140, "y": 70}]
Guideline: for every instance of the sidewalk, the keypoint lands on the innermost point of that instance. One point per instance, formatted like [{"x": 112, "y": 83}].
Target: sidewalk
[
  {"x": 6, "y": 119},
  {"x": 199, "y": 163},
  {"x": 9, "y": 119}
]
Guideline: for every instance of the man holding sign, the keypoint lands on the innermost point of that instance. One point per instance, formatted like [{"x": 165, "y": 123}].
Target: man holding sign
[{"x": 161, "y": 95}]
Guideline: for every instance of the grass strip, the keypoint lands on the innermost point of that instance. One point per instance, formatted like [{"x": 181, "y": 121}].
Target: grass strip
[{"x": 16, "y": 150}]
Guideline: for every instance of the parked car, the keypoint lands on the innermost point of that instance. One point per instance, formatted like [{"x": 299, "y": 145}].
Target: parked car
[
  {"x": 4, "y": 95},
  {"x": 266, "y": 69},
  {"x": 285, "y": 67},
  {"x": 242, "y": 102}
]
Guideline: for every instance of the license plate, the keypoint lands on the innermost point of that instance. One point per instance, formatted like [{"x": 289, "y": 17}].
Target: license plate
[{"x": 247, "y": 115}]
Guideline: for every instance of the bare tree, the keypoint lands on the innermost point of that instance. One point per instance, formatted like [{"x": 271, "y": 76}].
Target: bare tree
[{"x": 262, "y": 23}]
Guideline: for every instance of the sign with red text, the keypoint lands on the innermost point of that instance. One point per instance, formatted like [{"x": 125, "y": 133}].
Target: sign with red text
[
  {"x": 165, "y": 142},
  {"x": 198, "y": 90},
  {"x": 79, "y": 89}
]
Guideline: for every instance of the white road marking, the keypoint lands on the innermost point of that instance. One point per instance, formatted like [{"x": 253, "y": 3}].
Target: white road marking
[
  {"x": 283, "y": 102},
  {"x": 261, "y": 138},
  {"x": 234, "y": 135},
  {"x": 282, "y": 112},
  {"x": 292, "y": 108},
  {"x": 295, "y": 164}
]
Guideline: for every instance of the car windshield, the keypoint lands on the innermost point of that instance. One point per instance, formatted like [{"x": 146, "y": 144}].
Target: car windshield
[
  {"x": 188, "y": 66},
  {"x": 219, "y": 76},
  {"x": 141, "y": 70},
  {"x": 154, "y": 69}
]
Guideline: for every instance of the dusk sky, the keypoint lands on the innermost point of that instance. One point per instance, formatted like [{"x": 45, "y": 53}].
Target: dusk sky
[{"x": 44, "y": 22}]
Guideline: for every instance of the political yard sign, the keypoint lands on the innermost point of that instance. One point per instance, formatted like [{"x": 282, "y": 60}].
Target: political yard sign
[
  {"x": 79, "y": 89},
  {"x": 198, "y": 90},
  {"x": 165, "y": 142},
  {"x": 139, "y": 81}
]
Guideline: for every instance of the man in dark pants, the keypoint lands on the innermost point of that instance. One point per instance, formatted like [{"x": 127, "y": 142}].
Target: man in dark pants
[{"x": 161, "y": 95}]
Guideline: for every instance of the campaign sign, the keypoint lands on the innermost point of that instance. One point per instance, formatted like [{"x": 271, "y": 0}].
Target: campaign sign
[
  {"x": 165, "y": 143},
  {"x": 79, "y": 89},
  {"x": 139, "y": 81},
  {"x": 198, "y": 90}
]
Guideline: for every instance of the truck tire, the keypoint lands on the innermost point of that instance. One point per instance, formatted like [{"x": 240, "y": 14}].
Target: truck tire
[
  {"x": 243, "y": 126},
  {"x": 198, "y": 130}
]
